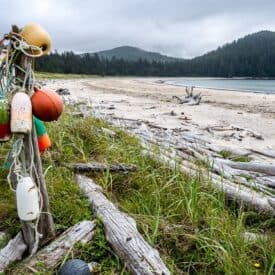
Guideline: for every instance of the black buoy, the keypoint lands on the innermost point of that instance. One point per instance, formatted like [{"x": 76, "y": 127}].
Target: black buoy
[{"x": 75, "y": 267}]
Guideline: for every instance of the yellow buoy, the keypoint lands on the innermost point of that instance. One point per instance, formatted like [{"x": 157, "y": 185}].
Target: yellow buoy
[{"x": 35, "y": 35}]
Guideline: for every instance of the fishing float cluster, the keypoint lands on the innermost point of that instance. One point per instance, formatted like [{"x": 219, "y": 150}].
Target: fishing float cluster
[{"x": 22, "y": 107}]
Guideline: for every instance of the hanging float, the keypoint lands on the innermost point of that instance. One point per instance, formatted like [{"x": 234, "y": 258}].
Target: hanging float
[
  {"x": 47, "y": 105},
  {"x": 35, "y": 35},
  {"x": 21, "y": 113},
  {"x": 5, "y": 131},
  {"x": 43, "y": 139},
  {"x": 27, "y": 199}
]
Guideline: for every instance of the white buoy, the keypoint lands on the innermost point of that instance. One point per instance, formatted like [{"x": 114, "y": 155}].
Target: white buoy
[
  {"x": 27, "y": 199},
  {"x": 21, "y": 113}
]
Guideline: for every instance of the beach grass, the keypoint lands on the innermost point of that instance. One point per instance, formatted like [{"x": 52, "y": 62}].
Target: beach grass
[
  {"x": 193, "y": 226},
  {"x": 46, "y": 75}
]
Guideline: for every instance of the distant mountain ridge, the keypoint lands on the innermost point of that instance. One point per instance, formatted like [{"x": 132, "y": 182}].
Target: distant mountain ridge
[
  {"x": 250, "y": 56},
  {"x": 134, "y": 54}
]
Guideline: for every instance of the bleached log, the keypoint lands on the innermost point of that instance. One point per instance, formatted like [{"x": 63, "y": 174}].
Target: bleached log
[
  {"x": 266, "y": 153},
  {"x": 121, "y": 232},
  {"x": 101, "y": 167},
  {"x": 267, "y": 181},
  {"x": 50, "y": 255},
  {"x": 267, "y": 169},
  {"x": 13, "y": 251}
]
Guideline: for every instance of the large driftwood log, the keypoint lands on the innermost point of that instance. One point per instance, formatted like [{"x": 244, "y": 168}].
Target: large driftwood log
[
  {"x": 50, "y": 255},
  {"x": 121, "y": 233},
  {"x": 13, "y": 251},
  {"x": 101, "y": 167},
  {"x": 267, "y": 169}
]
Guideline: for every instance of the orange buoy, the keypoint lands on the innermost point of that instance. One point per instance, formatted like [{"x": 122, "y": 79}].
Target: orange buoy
[
  {"x": 47, "y": 105},
  {"x": 44, "y": 142},
  {"x": 43, "y": 139},
  {"x": 35, "y": 35}
]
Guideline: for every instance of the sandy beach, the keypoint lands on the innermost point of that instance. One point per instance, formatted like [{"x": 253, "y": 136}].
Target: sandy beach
[{"x": 228, "y": 119}]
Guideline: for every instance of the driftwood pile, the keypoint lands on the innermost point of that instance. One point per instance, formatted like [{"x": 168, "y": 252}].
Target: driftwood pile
[{"x": 250, "y": 183}]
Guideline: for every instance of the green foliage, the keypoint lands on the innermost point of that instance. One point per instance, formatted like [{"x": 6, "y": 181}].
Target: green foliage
[
  {"x": 195, "y": 229},
  {"x": 43, "y": 75},
  {"x": 251, "y": 56},
  {"x": 229, "y": 155}
]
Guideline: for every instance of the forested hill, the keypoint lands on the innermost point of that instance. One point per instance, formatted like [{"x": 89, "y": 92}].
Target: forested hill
[
  {"x": 133, "y": 54},
  {"x": 252, "y": 56}
]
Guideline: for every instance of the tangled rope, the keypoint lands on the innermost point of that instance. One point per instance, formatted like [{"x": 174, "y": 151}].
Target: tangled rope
[{"x": 9, "y": 85}]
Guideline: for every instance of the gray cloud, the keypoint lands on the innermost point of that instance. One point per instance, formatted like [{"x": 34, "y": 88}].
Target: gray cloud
[{"x": 181, "y": 28}]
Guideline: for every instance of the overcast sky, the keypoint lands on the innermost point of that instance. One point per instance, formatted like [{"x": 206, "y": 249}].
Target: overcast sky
[{"x": 182, "y": 28}]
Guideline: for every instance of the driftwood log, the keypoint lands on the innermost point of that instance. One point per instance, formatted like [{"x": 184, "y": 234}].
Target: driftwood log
[
  {"x": 267, "y": 169},
  {"x": 121, "y": 232},
  {"x": 12, "y": 252},
  {"x": 50, "y": 255},
  {"x": 101, "y": 167},
  {"x": 190, "y": 98}
]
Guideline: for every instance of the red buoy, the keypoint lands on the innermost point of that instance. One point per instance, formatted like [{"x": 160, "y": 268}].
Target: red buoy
[{"x": 47, "y": 105}]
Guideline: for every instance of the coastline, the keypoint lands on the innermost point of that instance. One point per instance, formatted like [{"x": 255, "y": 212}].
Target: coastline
[
  {"x": 229, "y": 118},
  {"x": 170, "y": 82}
]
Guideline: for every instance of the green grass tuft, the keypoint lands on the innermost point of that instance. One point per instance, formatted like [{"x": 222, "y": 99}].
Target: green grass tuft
[
  {"x": 195, "y": 229},
  {"x": 45, "y": 75}
]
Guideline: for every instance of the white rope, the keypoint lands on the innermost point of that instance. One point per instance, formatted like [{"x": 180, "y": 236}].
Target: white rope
[
  {"x": 18, "y": 166},
  {"x": 21, "y": 45}
]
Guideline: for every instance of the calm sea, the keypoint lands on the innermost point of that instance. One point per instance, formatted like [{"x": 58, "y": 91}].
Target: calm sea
[{"x": 245, "y": 85}]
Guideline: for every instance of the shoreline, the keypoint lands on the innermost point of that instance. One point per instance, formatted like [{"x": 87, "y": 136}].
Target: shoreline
[
  {"x": 228, "y": 119},
  {"x": 223, "y": 89},
  {"x": 220, "y": 89}
]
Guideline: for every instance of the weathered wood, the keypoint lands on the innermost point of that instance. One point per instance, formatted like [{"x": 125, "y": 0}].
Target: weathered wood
[
  {"x": 46, "y": 225},
  {"x": 266, "y": 153},
  {"x": 267, "y": 169},
  {"x": 195, "y": 148},
  {"x": 236, "y": 192},
  {"x": 121, "y": 232},
  {"x": 13, "y": 251},
  {"x": 50, "y": 255},
  {"x": 101, "y": 167},
  {"x": 190, "y": 98}
]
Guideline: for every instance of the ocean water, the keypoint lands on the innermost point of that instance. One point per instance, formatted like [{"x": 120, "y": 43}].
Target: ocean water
[{"x": 244, "y": 85}]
